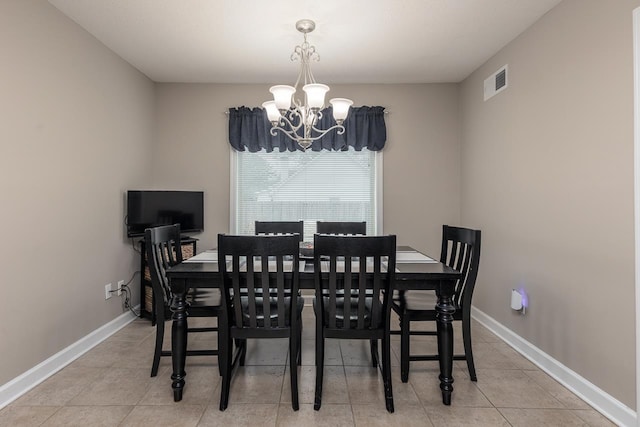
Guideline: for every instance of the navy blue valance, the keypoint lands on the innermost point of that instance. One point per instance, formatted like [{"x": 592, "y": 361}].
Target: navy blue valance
[{"x": 249, "y": 130}]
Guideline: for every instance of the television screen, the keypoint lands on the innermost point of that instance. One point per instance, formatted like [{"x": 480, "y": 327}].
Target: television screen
[{"x": 151, "y": 208}]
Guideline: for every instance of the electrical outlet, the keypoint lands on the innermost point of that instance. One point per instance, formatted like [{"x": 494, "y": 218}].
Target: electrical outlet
[
  {"x": 120, "y": 286},
  {"x": 107, "y": 291}
]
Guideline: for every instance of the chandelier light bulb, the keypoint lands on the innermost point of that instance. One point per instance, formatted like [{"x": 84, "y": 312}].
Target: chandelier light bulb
[
  {"x": 282, "y": 95},
  {"x": 315, "y": 94},
  {"x": 272, "y": 111},
  {"x": 340, "y": 108}
]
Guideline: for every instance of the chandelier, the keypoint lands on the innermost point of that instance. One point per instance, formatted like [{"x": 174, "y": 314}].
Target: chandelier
[{"x": 289, "y": 114}]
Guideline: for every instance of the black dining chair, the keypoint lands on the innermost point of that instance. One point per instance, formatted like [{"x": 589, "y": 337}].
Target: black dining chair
[
  {"x": 163, "y": 251},
  {"x": 344, "y": 228},
  {"x": 250, "y": 267},
  {"x": 340, "y": 227},
  {"x": 460, "y": 251},
  {"x": 363, "y": 267},
  {"x": 280, "y": 227}
]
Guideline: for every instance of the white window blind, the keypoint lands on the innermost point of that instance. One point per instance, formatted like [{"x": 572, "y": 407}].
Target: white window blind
[{"x": 310, "y": 186}]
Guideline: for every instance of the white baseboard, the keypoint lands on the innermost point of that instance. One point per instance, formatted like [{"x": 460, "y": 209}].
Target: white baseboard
[
  {"x": 603, "y": 402},
  {"x": 34, "y": 376}
]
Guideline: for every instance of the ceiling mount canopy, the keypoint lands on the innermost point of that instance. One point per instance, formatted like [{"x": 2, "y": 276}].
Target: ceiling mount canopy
[
  {"x": 297, "y": 117},
  {"x": 305, "y": 26}
]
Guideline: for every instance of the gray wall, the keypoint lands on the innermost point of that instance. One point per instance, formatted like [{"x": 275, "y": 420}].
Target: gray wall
[
  {"x": 421, "y": 158},
  {"x": 76, "y": 125},
  {"x": 547, "y": 174},
  {"x": 545, "y": 169}
]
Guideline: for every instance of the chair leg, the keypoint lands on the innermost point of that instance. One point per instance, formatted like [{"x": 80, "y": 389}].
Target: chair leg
[
  {"x": 404, "y": 347},
  {"x": 386, "y": 371},
  {"x": 158, "y": 350},
  {"x": 318, "y": 334},
  {"x": 226, "y": 362},
  {"x": 468, "y": 352},
  {"x": 319, "y": 361},
  {"x": 319, "y": 370},
  {"x": 299, "y": 351},
  {"x": 294, "y": 347},
  {"x": 374, "y": 353},
  {"x": 222, "y": 344}
]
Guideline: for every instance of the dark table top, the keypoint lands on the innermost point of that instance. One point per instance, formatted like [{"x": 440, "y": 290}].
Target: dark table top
[{"x": 418, "y": 275}]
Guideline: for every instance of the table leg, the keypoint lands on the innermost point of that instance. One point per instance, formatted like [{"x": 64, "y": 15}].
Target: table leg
[
  {"x": 178, "y": 337},
  {"x": 445, "y": 310}
]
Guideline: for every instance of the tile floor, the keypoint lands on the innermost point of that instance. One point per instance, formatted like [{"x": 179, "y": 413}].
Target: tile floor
[{"x": 110, "y": 386}]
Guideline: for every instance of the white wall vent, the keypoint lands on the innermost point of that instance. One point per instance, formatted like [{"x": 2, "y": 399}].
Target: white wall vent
[{"x": 496, "y": 82}]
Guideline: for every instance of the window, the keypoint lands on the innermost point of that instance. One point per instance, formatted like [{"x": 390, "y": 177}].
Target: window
[{"x": 310, "y": 186}]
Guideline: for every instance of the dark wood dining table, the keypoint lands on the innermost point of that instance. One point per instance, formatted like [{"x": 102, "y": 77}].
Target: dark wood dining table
[{"x": 409, "y": 275}]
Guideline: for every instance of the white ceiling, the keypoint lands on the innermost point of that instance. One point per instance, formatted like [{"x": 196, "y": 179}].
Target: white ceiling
[{"x": 359, "y": 41}]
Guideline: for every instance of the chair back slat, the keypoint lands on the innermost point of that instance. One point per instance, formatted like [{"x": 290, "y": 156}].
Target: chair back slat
[
  {"x": 461, "y": 251},
  {"x": 341, "y": 227},
  {"x": 251, "y": 290},
  {"x": 333, "y": 288},
  {"x": 257, "y": 289},
  {"x": 377, "y": 289},
  {"x": 347, "y": 287},
  {"x": 362, "y": 289},
  {"x": 281, "y": 297},
  {"x": 264, "y": 280},
  {"x": 235, "y": 278},
  {"x": 362, "y": 269}
]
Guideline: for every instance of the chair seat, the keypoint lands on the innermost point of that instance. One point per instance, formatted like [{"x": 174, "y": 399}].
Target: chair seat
[
  {"x": 416, "y": 300},
  {"x": 204, "y": 297},
  {"x": 273, "y": 309},
  {"x": 340, "y": 316},
  {"x": 272, "y": 291}
]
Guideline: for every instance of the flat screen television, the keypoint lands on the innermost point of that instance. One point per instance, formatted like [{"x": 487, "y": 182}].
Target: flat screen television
[{"x": 151, "y": 208}]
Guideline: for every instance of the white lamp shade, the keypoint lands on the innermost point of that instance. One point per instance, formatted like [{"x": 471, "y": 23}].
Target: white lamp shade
[
  {"x": 272, "y": 111},
  {"x": 282, "y": 95},
  {"x": 315, "y": 94},
  {"x": 340, "y": 108}
]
